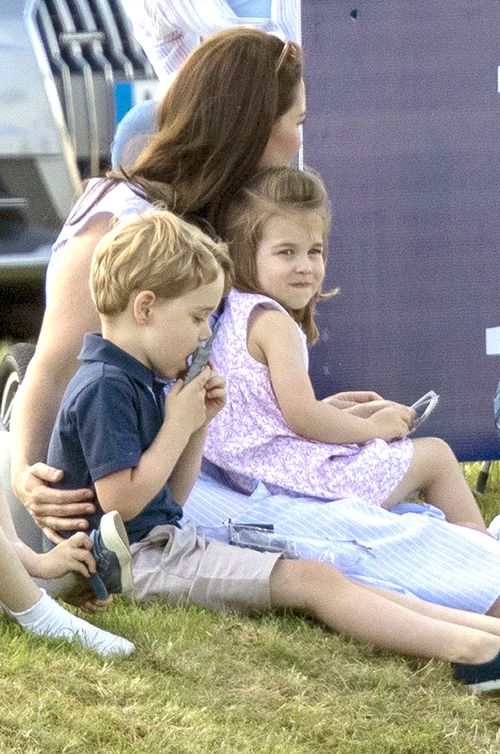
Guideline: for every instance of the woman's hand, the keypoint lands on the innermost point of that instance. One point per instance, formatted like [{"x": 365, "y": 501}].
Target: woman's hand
[{"x": 53, "y": 509}]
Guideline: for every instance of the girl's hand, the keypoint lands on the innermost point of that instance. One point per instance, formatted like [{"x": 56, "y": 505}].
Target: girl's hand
[
  {"x": 185, "y": 405},
  {"x": 215, "y": 394},
  {"x": 51, "y": 508},
  {"x": 365, "y": 410},
  {"x": 70, "y": 555},
  {"x": 389, "y": 424},
  {"x": 356, "y": 396}
]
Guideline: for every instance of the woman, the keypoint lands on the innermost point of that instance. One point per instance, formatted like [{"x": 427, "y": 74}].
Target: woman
[{"x": 236, "y": 105}]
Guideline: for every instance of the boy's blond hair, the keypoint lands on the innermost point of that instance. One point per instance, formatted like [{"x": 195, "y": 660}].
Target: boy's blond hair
[{"x": 155, "y": 251}]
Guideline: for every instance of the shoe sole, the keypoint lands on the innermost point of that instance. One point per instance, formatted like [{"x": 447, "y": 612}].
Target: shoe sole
[
  {"x": 115, "y": 538},
  {"x": 484, "y": 687}
]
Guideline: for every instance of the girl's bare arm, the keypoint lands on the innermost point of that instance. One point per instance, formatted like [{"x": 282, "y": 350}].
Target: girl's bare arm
[{"x": 274, "y": 340}]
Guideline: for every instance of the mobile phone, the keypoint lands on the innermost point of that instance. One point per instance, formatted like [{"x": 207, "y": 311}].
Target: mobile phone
[
  {"x": 423, "y": 408},
  {"x": 201, "y": 356}
]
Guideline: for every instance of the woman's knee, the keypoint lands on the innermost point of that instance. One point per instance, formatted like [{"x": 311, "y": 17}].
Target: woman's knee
[{"x": 297, "y": 584}]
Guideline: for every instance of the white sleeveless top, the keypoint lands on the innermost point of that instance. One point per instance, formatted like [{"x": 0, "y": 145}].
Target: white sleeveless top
[{"x": 120, "y": 201}]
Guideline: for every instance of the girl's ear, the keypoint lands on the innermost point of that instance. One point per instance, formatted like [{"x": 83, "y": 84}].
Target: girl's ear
[{"x": 143, "y": 307}]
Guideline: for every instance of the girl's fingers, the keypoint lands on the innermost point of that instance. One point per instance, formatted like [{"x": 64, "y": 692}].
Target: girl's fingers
[{"x": 86, "y": 559}]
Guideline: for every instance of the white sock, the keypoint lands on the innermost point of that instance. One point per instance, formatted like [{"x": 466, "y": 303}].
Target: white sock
[{"x": 48, "y": 618}]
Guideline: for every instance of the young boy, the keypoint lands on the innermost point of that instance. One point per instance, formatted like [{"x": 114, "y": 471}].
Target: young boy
[{"x": 155, "y": 281}]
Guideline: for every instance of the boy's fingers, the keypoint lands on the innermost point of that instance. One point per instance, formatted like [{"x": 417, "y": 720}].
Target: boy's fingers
[
  {"x": 95, "y": 605},
  {"x": 216, "y": 381},
  {"x": 201, "y": 379},
  {"x": 176, "y": 387}
]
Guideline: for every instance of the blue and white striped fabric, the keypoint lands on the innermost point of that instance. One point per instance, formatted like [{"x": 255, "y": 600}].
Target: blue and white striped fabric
[{"x": 416, "y": 552}]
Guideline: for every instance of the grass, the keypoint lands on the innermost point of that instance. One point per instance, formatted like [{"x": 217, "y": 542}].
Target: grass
[{"x": 201, "y": 683}]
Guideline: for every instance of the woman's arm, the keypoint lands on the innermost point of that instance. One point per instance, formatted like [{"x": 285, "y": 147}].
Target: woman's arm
[
  {"x": 273, "y": 339},
  {"x": 68, "y": 315}
]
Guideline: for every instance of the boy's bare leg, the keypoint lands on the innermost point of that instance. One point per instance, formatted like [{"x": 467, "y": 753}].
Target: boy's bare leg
[
  {"x": 488, "y": 622},
  {"x": 318, "y": 590}
]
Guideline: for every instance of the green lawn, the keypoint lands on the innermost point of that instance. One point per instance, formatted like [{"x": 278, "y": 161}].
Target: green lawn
[{"x": 200, "y": 682}]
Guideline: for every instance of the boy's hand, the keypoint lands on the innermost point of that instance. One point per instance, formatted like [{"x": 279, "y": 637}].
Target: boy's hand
[
  {"x": 185, "y": 404},
  {"x": 81, "y": 595},
  {"x": 70, "y": 555},
  {"x": 215, "y": 394}
]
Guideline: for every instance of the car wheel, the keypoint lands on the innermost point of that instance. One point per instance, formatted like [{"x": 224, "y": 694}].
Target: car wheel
[{"x": 12, "y": 371}]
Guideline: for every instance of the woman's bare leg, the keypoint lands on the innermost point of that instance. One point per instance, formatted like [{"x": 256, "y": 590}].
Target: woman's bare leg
[
  {"x": 488, "y": 622},
  {"x": 318, "y": 590}
]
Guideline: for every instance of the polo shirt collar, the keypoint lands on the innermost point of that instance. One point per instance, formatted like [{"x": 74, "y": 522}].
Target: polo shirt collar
[{"x": 97, "y": 348}]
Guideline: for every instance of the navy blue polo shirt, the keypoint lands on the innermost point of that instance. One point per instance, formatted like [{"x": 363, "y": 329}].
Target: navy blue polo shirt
[{"x": 110, "y": 414}]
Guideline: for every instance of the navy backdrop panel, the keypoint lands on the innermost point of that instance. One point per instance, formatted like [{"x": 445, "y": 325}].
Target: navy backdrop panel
[{"x": 404, "y": 125}]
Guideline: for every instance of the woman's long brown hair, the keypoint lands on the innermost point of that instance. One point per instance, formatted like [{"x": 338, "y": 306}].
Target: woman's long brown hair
[{"x": 215, "y": 121}]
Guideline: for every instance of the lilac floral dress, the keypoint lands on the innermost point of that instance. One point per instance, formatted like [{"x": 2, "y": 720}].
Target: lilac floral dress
[{"x": 251, "y": 440}]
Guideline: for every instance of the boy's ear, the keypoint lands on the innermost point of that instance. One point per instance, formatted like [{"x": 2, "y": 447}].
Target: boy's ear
[{"x": 143, "y": 307}]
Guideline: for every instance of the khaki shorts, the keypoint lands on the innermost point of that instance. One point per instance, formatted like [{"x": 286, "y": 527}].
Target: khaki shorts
[{"x": 178, "y": 566}]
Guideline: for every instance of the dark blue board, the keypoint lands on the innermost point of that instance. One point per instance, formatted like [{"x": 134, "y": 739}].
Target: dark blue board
[{"x": 404, "y": 125}]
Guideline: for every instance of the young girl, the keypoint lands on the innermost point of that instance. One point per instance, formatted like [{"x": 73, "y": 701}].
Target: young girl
[
  {"x": 155, "y": 281},
  {"x": 274, "y": 429},
  {"x": 30, "y": 606}
]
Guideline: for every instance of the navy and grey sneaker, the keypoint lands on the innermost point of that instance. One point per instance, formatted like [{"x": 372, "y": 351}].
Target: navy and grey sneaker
[
  {"x": 481, "y": 678},
  {"x": 113, "y": 559}
]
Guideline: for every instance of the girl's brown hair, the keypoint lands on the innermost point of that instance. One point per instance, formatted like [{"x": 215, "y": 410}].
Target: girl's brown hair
[
  {"x": 271, "y": 193},
  {"x": 215, "y": 121}
]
